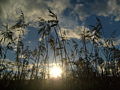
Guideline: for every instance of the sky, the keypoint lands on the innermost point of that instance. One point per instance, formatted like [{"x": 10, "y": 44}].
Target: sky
[{"x": 72, "y": 14}]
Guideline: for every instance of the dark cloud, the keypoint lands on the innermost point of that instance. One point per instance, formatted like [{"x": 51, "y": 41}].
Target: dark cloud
[
  {"x": 3, "y": 3},
  {"x": 118, "y": 2},
  {"x": 70, "y": 8},
  {"x": 32, "y": 4},
  {"x": 0, "y": 10},
  {"x": 71, "y": 13}
]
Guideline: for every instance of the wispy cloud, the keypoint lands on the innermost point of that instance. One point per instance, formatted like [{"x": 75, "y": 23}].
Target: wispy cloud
[{"x": 74, "y": 33}]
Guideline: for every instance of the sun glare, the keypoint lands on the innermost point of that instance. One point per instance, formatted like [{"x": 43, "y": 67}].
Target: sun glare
[{"x": 55, "y": 72}]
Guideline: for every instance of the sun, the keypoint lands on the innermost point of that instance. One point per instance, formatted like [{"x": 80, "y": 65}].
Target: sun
[{"x": 55, "y": 72}]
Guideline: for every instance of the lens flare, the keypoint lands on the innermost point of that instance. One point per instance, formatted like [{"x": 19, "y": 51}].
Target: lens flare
[{"x": 55, "y": 72}]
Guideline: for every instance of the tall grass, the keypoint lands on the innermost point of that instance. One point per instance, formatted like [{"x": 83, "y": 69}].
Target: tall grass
[{"x": 81, "y": 65}]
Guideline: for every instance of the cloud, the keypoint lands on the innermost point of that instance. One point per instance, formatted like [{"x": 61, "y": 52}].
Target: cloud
[
  {"x": 68, "y": 33},
  {"x": 3, "y": 3},
  {"x": 76, "y": 10},
  {"x": 116, "y": 41},
  {"x": 79, "y": 9},
  {"x": 73, "y": 33},
  {"x": 31, "y": 8}
]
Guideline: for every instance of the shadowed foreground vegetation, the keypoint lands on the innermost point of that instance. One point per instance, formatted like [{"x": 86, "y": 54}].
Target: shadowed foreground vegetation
[
  {"x": 89, "y": 63},
  {"x": 96, "y": 83}
]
